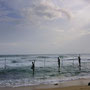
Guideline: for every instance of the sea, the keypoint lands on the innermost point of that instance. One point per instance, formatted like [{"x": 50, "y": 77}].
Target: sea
[{"x": 15, "y": 70}]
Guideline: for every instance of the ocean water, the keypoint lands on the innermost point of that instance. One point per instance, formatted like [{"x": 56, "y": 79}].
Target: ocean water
[{"x": 15, "y": 70}]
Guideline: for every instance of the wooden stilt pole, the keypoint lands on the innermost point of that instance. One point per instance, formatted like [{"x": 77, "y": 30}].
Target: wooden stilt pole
[{"x": 5, "y": 64}]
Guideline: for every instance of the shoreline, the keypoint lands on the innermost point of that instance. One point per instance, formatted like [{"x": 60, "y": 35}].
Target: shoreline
[{"x": 71, "y": 85}]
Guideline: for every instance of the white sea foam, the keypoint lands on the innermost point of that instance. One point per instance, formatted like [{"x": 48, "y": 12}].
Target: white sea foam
[{"x": 18, "y": 70}]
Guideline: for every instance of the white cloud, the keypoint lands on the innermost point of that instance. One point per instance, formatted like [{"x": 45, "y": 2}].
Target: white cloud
[
  {"x": 81, "y": 20},
  {"x": 46, "y": 10},
  {"x": 60, "y": 21}
]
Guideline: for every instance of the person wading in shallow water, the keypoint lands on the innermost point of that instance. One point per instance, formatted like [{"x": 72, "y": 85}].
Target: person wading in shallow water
[
  {"x": 79, "y": 60},
  {"x": 58, "y": 62},
  {"x": 33, "y": 67}
]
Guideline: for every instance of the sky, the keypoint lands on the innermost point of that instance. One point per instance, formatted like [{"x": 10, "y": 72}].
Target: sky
[{"x": 44, "y": 26}]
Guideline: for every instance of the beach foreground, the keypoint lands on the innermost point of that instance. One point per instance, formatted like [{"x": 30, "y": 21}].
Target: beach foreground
[
  {"x": 80, "y": 84},
  {"x": 59, "y": 88},
  {"x": 70, "y": 88}
]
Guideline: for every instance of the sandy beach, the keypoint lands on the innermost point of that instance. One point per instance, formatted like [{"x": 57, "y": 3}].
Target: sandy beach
[
  {"x": 80, "y": 84},
  {"x": 64, "y": 88}
]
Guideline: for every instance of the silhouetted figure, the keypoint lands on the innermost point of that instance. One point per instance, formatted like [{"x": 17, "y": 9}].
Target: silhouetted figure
[
  {"x": 89, "y": 84},
  {"x": 33, "y": 67},
  {"x": 79, "y": 60},
  {"x": 58, "y": 62}
]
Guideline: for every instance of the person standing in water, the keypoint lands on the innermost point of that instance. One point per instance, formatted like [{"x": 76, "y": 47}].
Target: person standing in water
[
  {"x": 79, "y": 60},
  {"x": 58, "y": 62},
  {"x": 33, "y": 67}
]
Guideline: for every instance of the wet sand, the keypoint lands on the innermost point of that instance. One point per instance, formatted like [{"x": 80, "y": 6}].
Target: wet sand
[
  {"x": 80, "y": 84},
  {"x": 64, "y": 88}
]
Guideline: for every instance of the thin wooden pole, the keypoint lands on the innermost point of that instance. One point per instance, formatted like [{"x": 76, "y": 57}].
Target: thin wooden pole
[
  {"x": 73, "y": 61},
  {"x": 44, "y": 67},
  {"x": 5, "y": 64}
]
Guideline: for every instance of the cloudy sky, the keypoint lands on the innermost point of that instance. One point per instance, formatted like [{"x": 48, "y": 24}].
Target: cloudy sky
[{"x": 44, "y": 26}]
